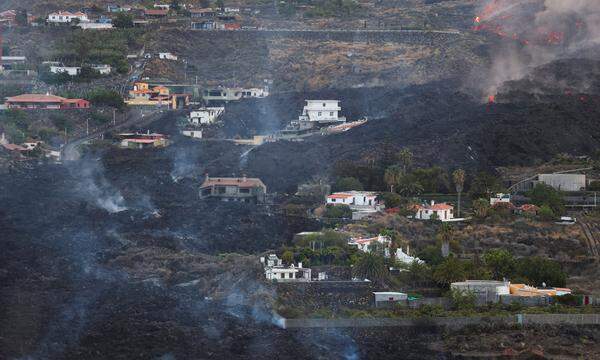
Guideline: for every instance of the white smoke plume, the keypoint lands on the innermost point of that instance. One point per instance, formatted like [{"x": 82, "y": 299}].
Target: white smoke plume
[{"x": 537, "y": 32}]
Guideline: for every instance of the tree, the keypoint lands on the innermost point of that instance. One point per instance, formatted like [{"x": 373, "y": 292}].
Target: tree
[
  {"x": 175, "y": 5},
  {"x": 406, "y": 159},
  {"x": 392, "y": 176},
  {"x": 287, "y": 257},
  {"x": 391, "y": 200},
  {"x": 348, "y": 184},
  {"x": 484, "y": 185},
  {"x": 451, "y": 270},
  {"x": 21, "y": 17},
  {"x": 445, "y": 235},
  {"x": 123, "y": 21},
  {"x": 463, "y": 300},
  {"x": 337, "y": 212},
  {"x": 545, "y": 213},
  {"x": 481, "y": 208},
  {"x": 370, "y": 266},
  {"x": 543, "y": 194},
  {"x": 220, "y": 4},
  {"x": 409, "y": 186},
  {"x": 431, "y": 255},
  {"x": 541, "y": 271},
  {"x": 501, "y": 263},
  {"x": 458, "y": 176}
]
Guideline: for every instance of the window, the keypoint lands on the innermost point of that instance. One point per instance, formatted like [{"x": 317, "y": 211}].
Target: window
[
  {"x": 244, "y": 191},
  {"x": 324, "y": 104},
  {"x": 331, "y": 113},
  {"x": 319, "y": 113}
]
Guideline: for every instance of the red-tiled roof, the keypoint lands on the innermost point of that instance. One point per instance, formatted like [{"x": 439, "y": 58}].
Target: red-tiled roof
[
  {"x": 436, "y": 207},
  {"x": 240, "y": 182},
  {"x": 339, "y": 196},
  {"x": 141, "y": 141},
  {"x": 528, "y": 207},
  {"x": 160, "y": 12},
  {"x": 41, "y": 98},
  {"x": 14, "y": 147}
]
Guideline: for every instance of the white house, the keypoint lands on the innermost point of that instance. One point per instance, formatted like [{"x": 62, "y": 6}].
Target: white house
[
  {"x": 322, "y": 111},
  {"x": 442, "y": 211},
  {"x": 500, "y": 198},
  {"x": 365, "y": 244},
  {"x": 70, "y": 70},
  {"x": 193, "y": 133},
  {"x": 206, "y": 115},
  {"x": 357, "y": 200},
  {"x": 162, "y": 6},
  {"x": 95, "y": 26},
  {"x": 389, "y": 297},
  {"x": 65, "y": 17},
  {"x": 167, "y": 56},
  {"x": 76, "y": 70},
  {"x": 405, "y": 258},
  {"x": 103, "y": 69},
  {"x": 276, "y": 271},
  {"x": 255, "y": 92}
]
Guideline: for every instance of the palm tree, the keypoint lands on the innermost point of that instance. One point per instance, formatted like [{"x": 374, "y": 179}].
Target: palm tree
[
  {"x": 370, "y": 266},
  {"x": 459, "y": 182},
  {"x": 408, "y": 186},
  {"x": 445, "y": 235},
  {"x": 406, "y": 158},
  {"x": 392, "y": 176}
]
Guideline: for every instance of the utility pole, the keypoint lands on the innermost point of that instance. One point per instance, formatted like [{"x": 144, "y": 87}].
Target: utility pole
[{"x": 87, "y": 127}]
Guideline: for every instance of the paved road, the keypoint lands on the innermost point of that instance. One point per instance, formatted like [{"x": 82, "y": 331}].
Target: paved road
[{"x": 134, "y": 117}]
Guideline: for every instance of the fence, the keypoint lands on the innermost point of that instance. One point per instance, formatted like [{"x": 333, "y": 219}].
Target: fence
[{"x": 458, "y": 322}]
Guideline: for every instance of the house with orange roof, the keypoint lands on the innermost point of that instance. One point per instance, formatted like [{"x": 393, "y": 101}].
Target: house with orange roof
[
  {"x": 143, "y": 94},
  {"x": 46, "y": 102},
  {"x": 242, "y": 189},
  {"x": 441, "y": 211},
  {"x": 141, "y": 141}
]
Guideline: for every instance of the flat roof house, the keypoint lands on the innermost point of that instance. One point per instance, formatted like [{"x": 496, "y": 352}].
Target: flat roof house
[
  {"x": 242, "y": 189},
  {"x": 48, "y": 102}
]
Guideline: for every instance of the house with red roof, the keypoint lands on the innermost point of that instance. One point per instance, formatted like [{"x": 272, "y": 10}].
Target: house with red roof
[
  {"x": 46, "y": 102},
  {"x": 441, "y": 211},
  {"x": 243, "y": 189},
  {"x": 141, "y": 141},
  {"x": 156, "y": 13}
]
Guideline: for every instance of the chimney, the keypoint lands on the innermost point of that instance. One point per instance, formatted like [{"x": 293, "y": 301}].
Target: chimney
[
  {"x": 206, "y": 177},
  {"x": 244, "y": 178},
  {"x": 432, "y": 202},
  {"x": 300, "y": 264}
]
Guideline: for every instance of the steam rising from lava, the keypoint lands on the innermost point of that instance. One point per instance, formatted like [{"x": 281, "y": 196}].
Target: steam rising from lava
[{"x": 536, "y": 32}]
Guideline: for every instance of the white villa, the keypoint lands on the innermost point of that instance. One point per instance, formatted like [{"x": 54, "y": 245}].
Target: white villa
[
  {"x": 500, "y": 198},
  {"x": 76, "y": 70},
  {"x": 206, "y": 115},
  {"x": 275, "y": 270},
  {"x": 357, "y": 200},
  {"x": 167, "y": 56},
  {"x": 365, "y": 245},
  {"x": 322, "y": 111},
  {"x": 65, "y": 17},
  {"x": 442, "y": 211},
  {"x": 193, "y": 133}
]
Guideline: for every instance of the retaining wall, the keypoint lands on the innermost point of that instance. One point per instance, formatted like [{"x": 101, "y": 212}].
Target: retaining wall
[{"x": 523, "y": 319}]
